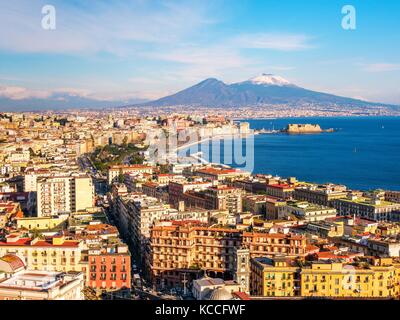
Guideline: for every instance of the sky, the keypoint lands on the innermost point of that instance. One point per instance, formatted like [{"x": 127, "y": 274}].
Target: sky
[{"x": 124, "y": 49}]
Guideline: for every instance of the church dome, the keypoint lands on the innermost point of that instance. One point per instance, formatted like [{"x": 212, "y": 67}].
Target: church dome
[
  {"x": 220, "y": 294},
  {"x": 11, "y": 263}
]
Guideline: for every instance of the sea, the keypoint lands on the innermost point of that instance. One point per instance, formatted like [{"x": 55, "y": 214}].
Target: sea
[{"x": 362, "y": 153}]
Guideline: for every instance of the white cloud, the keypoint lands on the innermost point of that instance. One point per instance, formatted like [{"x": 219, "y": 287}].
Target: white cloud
[
  {"x": 59, "y": 94},
  {"x": 274, "y": 41},
  {"x": 163, "y": 31},
  {"x": 114, "y": 26},
  {"x": 20, "y": 93},
  {"x": 381, "y": 67}
]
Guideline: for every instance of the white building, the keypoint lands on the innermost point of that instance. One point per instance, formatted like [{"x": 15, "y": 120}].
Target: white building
[{"x": 42, "y": 285}]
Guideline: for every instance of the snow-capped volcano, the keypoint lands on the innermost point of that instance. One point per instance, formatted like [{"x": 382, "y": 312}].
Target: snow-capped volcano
[
  {"x": 266, "y": 89},
  {"x": 270, "y": 80}
]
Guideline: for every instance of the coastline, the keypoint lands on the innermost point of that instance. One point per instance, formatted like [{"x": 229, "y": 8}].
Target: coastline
[
  {"x": 217, "y": 137},
  {"x": 316, "y": 117},
  {"x": 349, "y": 156}
]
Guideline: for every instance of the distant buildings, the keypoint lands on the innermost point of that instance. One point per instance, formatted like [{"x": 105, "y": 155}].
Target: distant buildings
[
  {"x": 392, "y": 196},
  {"x": 200, "y": 195},
  {"x": 214, "y": 174},
  {"x": 282, "y": 191},
  {"x": 320, "y": 194},
  {"x": 115, "y": 171},
  {"x": 369, "y": 208},
  {"x": 9, "y": 210},
  {"x": 307, "y": 211}
]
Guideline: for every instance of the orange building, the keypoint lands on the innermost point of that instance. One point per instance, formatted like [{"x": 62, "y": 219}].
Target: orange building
[
  {"x": 180, "y": 251},
  {"x": 110, "y": 269}
]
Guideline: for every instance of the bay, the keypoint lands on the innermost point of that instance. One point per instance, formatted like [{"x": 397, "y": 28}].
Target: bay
[{"x": 363, "y": 153}]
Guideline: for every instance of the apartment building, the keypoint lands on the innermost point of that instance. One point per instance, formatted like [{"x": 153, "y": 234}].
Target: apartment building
[
  {"x": 274, "y": 244},
  {"x": 307, "y": 211},
  {"x": 216, "y": 174},
  {"x": 267, "y": 206},
  {"x": 274, "y": 277},
  {"x": 320, "y": 194},
  {"x": 63, "y": 194},
  {"x": 135, "y": 215},
  {"x": 56, "y": 254},
  {"x": 115, "y": 171},
  {"x": 372, "y": 208},
  {"x": 392, "y": 196},
  {"x": 223, "y": 197},
  {"x": 109, "y": 269},
  {"x": 220, "y": 197},
  {"x": 177, "y": 190},
  {"x": 31, "y": 177},
  {"x": 326, "y": 229},
  {"x": 365, "y": 278},
  {"x": 378, "y": 278},
  {"x": 187, "y": 247},
  {"x": 42, "y": 223},
  {"x": 181, "y": 249},
  {"x": 282, "y": 191},
  {"x": 384, "y": 247},
  {"x": 42, "y": 285}
]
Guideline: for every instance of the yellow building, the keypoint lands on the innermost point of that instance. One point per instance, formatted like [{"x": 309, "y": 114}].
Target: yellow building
[
  {"x": 56, "y": 254},
  {"x": 388, "y": 229},
  {"x": 367, "y": 278},
  {"x": 326, "y": 229},
  {"x": 337, "y": 280},
  {"x": 41, "y": 223},
  {"x": 277, "y": 277}
]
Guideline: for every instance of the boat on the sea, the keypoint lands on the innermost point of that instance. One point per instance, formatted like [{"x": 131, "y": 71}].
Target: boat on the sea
[{"x": 265, "y": 131}]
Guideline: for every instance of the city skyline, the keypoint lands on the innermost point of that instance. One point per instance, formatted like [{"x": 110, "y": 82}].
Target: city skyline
[{"x": 138, "y": 50}]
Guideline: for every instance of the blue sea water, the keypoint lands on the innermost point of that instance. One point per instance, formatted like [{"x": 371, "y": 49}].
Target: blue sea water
[{"x": 364, "y": 152}]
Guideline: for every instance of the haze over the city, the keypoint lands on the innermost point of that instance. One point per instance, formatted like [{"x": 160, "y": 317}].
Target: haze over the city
[{"x": 125, "y": 52}]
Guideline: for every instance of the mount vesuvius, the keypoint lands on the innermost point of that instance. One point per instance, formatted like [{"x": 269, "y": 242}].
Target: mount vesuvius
[{"x": 266, "y": 89}]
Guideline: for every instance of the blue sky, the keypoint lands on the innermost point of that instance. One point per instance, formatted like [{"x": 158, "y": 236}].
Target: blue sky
[{"x": 121, "y": 49}]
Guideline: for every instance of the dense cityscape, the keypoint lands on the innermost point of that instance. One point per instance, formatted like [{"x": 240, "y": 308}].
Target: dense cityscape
[
  {"x": 184, "y": 159},
  {"x": 87, "y": 212}
]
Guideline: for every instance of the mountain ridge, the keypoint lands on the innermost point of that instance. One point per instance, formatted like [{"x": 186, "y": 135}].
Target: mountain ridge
[
  {"x": 60, "y": 102},
  {"x": 266, "y": 89}
]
